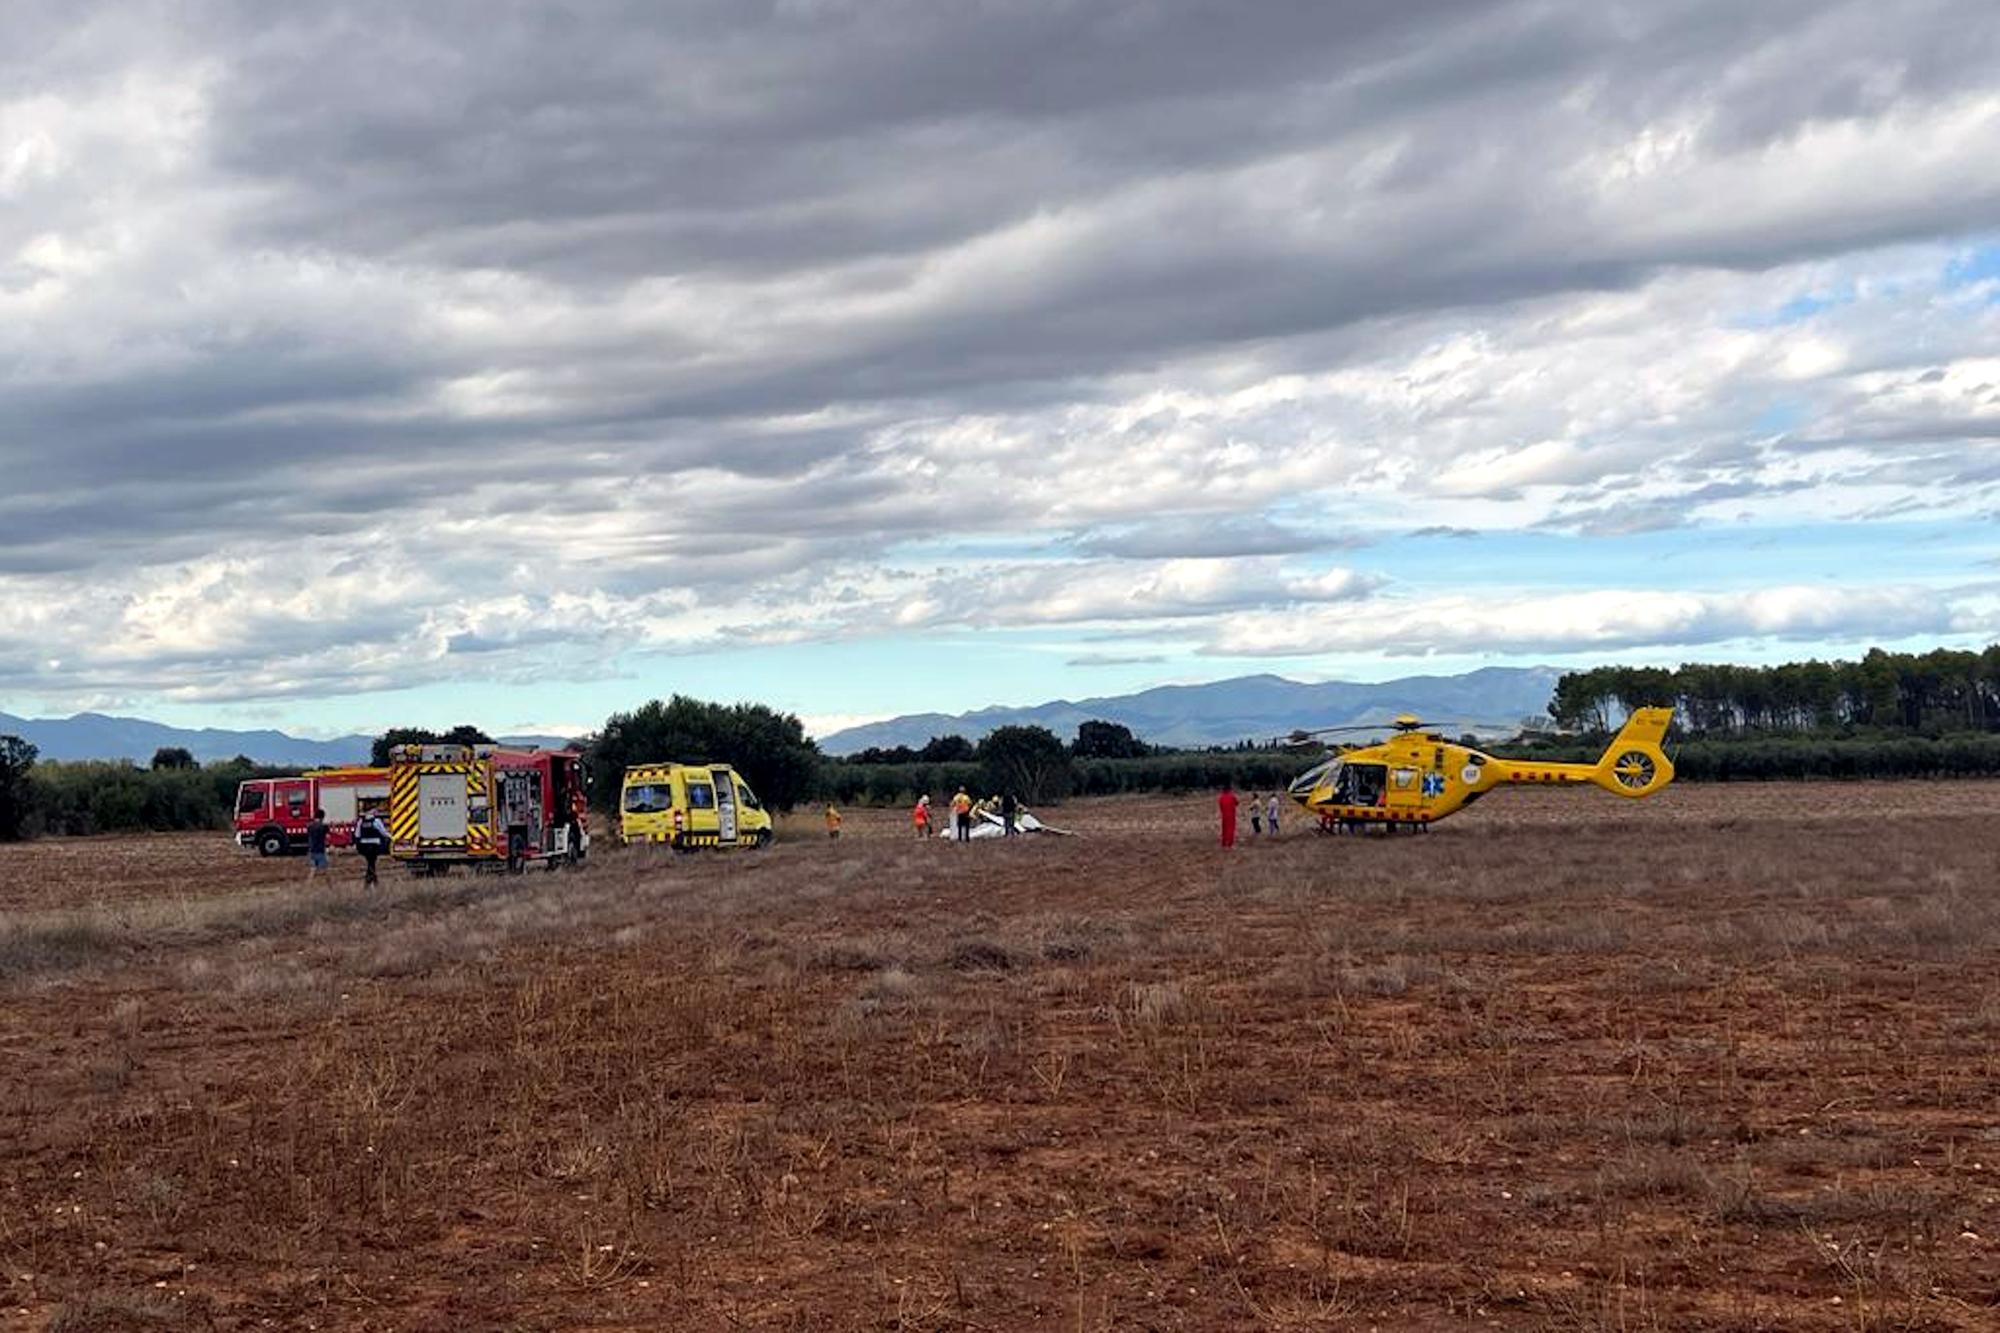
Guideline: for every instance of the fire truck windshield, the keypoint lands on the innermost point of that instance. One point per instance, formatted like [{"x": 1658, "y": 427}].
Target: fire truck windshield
[{"x": 249, "y": 799}]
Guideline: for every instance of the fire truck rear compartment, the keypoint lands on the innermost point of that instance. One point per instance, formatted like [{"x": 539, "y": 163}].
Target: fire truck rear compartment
[{"x": 441, "y": 807}]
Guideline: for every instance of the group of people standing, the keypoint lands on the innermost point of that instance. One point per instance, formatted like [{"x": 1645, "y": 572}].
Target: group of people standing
[
  {"x": 1263, "y": 812},
  {"x": 963, "y": 811},
  {"x": 371, "y": 839}
]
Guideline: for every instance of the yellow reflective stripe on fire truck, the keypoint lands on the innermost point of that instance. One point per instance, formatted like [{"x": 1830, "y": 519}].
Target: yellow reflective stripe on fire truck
[
  {"x": 404, "y": 789},
  {"x": 478, "y": 837}
]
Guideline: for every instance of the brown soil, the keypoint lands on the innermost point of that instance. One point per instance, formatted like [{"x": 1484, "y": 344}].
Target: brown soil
[{"x": 1720, "y": 1060}]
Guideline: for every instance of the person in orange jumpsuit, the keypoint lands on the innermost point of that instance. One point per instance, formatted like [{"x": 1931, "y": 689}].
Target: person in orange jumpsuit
[
  {"x": 1226, "y": 804},
  {"x": 920, "y": 817}
]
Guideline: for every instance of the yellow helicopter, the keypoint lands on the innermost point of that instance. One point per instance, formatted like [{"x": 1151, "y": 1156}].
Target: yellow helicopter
[{"x": 1417, "y": 777}]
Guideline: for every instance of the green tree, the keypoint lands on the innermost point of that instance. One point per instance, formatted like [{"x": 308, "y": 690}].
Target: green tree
[
  {"x": 947, "y": 750},
  {"x": 1027, "y": 761},
  {"x": 172, "y": 756},
  {"x": 1582, "y": 701},
  {"x": 462, "y": 734},
  {"x": 17, "y": 759},
  {"x": 1098, "y": 739},
  {"x": 770, "y": 749},
  {"x": 875, "y": 754}
]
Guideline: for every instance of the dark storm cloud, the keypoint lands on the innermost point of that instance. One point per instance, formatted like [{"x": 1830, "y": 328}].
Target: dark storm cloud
[
  {"x": 616, "y": 140},
  {"x": 762, "y": 133},
  {"x": 717, "y": 292}
]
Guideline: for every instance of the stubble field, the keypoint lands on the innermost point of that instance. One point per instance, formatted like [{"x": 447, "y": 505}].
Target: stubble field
[{"x": 1724, "y": 1059}]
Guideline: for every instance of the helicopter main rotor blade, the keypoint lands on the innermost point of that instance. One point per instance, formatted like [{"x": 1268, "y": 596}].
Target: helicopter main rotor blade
[{"x": 1305, "y": 734}]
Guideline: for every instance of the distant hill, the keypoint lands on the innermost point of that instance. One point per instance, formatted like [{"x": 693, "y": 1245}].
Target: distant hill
[
  {"x": 97, "y": 736},
  {"x": 1489, "y": 700}
]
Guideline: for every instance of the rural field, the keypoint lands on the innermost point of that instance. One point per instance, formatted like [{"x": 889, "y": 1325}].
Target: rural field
[{"x": 1722, "y": 1060}]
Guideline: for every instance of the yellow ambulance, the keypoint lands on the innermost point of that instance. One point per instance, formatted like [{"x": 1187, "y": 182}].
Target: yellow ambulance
[{"x": 687, "y": 806}]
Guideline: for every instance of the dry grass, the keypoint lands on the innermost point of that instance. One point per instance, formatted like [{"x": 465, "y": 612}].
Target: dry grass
[{"x": 1720, "y": 1061}]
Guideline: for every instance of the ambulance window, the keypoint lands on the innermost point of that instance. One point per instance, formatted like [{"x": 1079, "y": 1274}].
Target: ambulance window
[
  {"x": 747, "y": 797},
  {"x": 647, "y": 800},
  {"x": 701, "y": 796},
  {"x": 250, "y": 800}
]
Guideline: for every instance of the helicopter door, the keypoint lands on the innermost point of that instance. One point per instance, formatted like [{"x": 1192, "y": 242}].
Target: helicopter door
[{"x": 1362, "y": 784}]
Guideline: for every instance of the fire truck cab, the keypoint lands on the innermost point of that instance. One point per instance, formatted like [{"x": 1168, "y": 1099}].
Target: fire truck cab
[
  {"x": 272, "y": 813},
  {"x": 486, "y": 807}
]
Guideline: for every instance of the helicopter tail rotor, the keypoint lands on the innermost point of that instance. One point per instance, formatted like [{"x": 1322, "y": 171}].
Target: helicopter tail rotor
[{"x": 1634, "y": 765}]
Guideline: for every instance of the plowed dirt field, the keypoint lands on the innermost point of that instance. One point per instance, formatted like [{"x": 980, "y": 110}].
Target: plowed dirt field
[{"x": 1720, "y": 1060}]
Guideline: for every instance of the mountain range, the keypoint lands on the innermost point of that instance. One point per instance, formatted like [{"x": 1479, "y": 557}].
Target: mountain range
[
  {"x": 1490, "y": 700},
  {"x": 98, "y": 736}
]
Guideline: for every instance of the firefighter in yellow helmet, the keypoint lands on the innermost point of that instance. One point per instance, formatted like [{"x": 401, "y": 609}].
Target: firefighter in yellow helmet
[{"x": 961, "y": 816}]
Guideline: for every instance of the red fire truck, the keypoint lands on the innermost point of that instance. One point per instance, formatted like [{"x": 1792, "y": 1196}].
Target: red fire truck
[
  {"x": 486, "y": 807},
  {"x": 272, "y": 813}
]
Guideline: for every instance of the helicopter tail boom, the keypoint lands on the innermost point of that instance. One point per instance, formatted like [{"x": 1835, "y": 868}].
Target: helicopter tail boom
[{"x": 1634, "y": 765}]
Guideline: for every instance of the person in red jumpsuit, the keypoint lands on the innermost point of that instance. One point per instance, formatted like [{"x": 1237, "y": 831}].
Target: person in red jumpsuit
[{"x": 1226, "y": 803}]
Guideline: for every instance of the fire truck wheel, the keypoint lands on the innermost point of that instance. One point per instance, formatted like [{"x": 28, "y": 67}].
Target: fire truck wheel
[
  {"x": 271, "y": 842},
  {"x": 763, "y": 838}
]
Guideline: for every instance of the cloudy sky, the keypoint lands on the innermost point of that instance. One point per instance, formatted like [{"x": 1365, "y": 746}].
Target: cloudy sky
[{"x": 376, "y": 362}]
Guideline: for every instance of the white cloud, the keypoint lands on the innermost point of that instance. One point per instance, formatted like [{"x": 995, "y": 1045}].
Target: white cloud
[{"x": 1604, "y": 620}]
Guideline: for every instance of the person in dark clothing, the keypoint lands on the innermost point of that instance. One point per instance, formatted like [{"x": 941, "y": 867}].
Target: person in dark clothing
[
  {"x": 371, "y": 839},
  {"x": 316, "y": 845},
  {"x": 1009, "y": 807}
]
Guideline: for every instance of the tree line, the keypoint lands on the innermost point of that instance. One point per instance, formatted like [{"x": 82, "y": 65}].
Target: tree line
[
  {"x": 1934, "y": 714},
  {"x": 111, "y": 796},
  {"x": 770, "y": 749},
  {"x": 1934, "y": 694}
]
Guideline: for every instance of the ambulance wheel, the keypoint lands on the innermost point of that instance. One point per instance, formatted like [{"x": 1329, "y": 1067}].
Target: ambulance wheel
[
  {"x": 763, "y": 838},
  {"x": 272, "y": 842}
]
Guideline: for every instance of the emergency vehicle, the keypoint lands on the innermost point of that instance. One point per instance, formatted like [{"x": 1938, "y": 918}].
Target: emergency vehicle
[
  {"x": 272, "y": 813},
  {"x": 486, "y": 807},
  {"x": 687, "y": 806}
]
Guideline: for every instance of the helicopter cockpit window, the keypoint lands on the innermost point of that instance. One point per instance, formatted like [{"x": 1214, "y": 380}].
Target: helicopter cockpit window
[{"x": 1317, "y": 776}]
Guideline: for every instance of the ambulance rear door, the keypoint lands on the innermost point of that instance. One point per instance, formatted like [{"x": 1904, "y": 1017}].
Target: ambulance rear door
[{"x": 725, "y": 805}]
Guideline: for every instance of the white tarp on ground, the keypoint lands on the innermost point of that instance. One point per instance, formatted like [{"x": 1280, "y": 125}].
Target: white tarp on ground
[{"x": 987, "y": 824}]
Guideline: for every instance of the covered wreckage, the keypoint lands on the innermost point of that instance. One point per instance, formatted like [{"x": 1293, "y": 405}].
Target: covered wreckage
[{"x": 989, "y": 824}]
